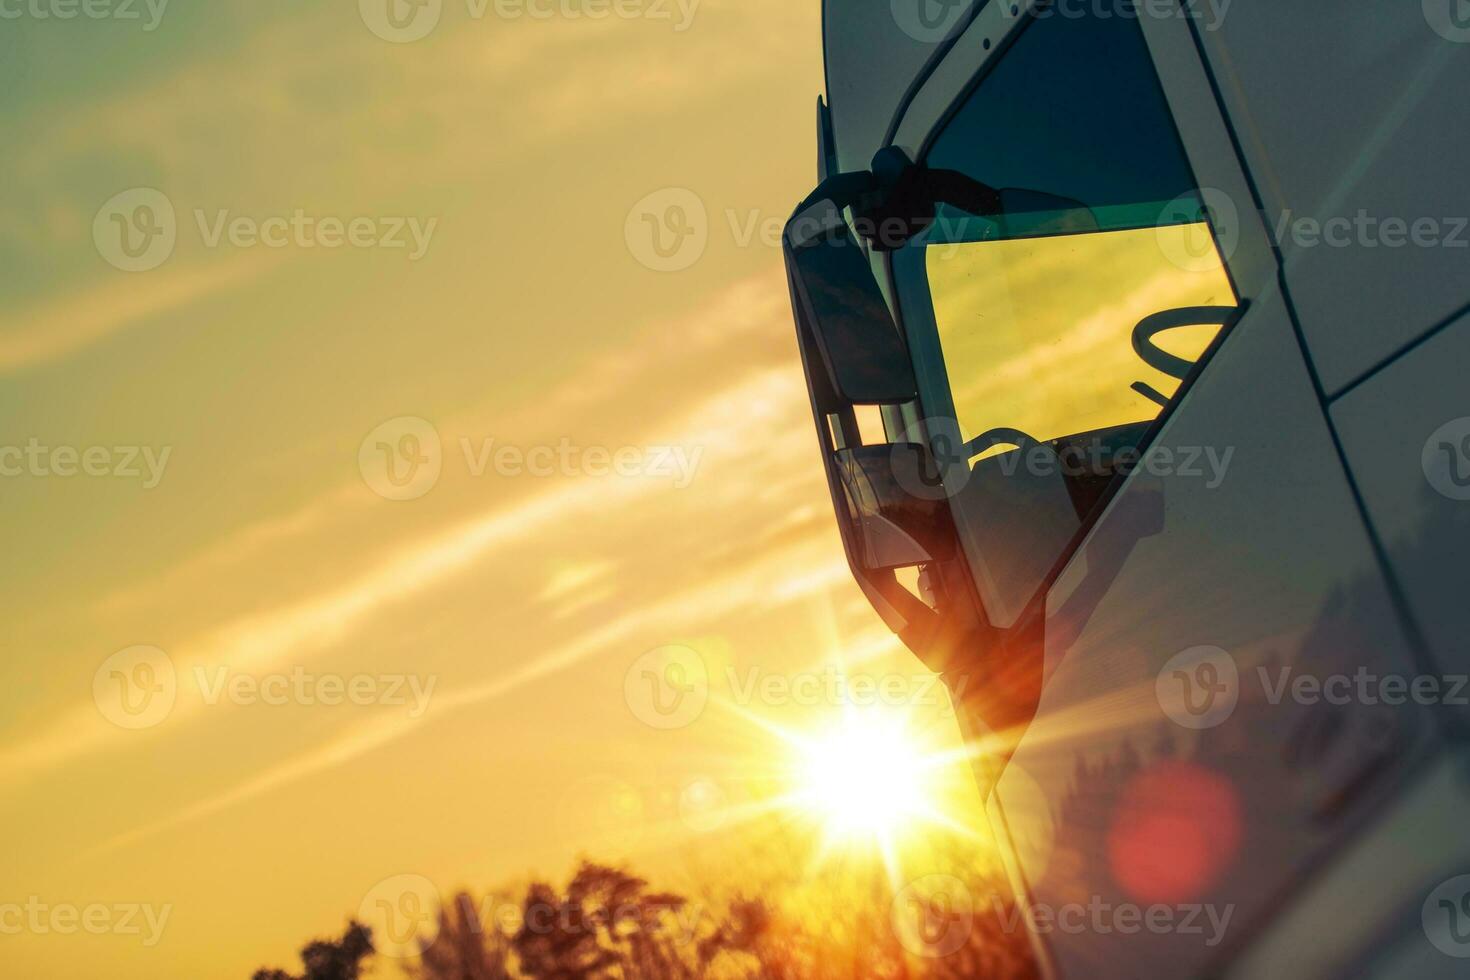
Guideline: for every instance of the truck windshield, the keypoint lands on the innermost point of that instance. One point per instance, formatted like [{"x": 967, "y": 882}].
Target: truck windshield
[{"x": 1023, "y": 325}]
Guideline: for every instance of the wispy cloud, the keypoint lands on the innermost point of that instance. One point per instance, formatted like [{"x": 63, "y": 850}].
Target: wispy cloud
[
  {"x": 734, "y": 423},
  {"x": 777, "y": 579},
  {"x": 61, "y": 326},
  {"x": 734, "y": 322}
]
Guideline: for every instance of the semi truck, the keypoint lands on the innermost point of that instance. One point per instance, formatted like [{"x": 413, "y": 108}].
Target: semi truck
[{"x": 1136, "y": 335}]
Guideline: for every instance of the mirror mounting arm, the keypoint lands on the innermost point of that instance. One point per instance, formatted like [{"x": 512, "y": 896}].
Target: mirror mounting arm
[{"x": 897, "y": 199}]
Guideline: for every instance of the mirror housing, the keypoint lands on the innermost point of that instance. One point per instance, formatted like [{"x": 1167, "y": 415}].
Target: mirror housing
[
  {"x": 889, "y": 499},
  {"x": 858, "y": 342},
  {"x": 853, "y": 355}
]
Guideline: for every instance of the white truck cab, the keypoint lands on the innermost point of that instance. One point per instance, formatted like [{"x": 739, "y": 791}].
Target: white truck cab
[{"x": 1137, "y": 335}]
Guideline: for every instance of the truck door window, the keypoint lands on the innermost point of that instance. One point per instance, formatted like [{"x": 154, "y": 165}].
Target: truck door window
[{"x": 1025, "y": 326}]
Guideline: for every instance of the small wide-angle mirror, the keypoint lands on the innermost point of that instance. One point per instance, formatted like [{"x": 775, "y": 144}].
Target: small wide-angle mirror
[{"x": 898, "y": 527}]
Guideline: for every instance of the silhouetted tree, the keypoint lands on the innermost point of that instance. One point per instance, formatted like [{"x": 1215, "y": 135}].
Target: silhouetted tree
[
  {"x": 328, "y": 960},
  {"x": 464, "y": 947}
]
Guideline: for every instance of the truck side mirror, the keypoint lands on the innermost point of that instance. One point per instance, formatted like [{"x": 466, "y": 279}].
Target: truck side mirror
[
  {"x": 864, "y": 357},
  {"x": 853, "y": 356}
]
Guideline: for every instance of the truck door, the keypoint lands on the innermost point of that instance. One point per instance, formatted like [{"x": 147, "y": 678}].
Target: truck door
[{"x": 1148, "y": 467}]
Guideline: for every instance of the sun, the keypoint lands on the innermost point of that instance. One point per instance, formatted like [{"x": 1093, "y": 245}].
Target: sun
[
  {"x": 886, "y": 781},
  {"x": 865, "y": 779}
]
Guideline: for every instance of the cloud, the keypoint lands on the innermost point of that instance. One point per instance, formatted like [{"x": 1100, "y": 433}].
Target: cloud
[
  {"x": 61, "y": 326},
  {"x": 737, "y": 321},
  {"x": 749, "y": 419},
  {"x": 425, "y": 110},
  {"x": 774, "y": 580}
]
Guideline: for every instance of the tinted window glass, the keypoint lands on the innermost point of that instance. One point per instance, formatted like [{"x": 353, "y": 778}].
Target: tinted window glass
[
  {"x": 1042, "y": 362},
  {"x": 1074, "y": 109}
]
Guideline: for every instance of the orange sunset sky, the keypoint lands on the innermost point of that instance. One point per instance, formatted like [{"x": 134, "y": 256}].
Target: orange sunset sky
[{"x": 537, "y": 156}]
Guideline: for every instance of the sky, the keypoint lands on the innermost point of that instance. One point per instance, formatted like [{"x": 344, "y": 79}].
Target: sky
[{"x": 440, "y": 366}]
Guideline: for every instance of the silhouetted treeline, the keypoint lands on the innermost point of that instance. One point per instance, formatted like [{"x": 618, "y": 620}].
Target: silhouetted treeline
[{"x": 607, "y": 924}]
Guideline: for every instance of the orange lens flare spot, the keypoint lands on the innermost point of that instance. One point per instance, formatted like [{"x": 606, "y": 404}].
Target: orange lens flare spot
[{"x": 1176, "y": 830}]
